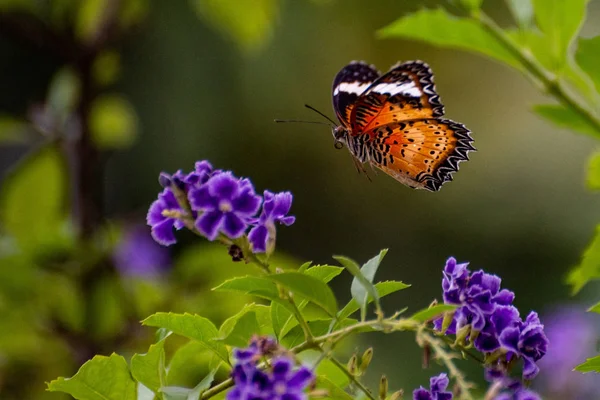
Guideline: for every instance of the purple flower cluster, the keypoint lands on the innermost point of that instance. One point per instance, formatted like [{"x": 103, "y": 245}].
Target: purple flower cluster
[
  {"x": 281, "y": 381},
  {"x": 486, "y": 316},
  {"x": 437, "y": 389},
  {"x": 511, "y": 389},
  {"x": 220, "y": 204}
]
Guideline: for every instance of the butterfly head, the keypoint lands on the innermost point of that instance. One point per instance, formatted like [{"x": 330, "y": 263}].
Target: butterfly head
[{"x": 340, "y": 134}]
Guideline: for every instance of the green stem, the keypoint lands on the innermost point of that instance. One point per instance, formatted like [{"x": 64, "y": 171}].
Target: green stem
[
  {"x": 425, "y": 339},
  {"x": 213, "y": 391},
  {"x": 549, "y": 81},
  {"x": 308, "y": 336},
  {"x": 353, "y": 378}
]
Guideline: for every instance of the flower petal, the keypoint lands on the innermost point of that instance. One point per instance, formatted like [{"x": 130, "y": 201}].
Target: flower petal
[
  {"x": 281, "y": 368},
  {"x": 422, "y": 394},
  {"x": 439, "y": 383},
  {"x": 223, "y": 186},
  {"x": 210, "y": 223},
  {"x": 201, "y": 200},
  {"x": 301, "y": 378},
  {"x": 247, "y": 202},
  {"x": 163, "y": 232},
  {"x": 258, "y": 237},
  {"x": 233, "y": 226}
]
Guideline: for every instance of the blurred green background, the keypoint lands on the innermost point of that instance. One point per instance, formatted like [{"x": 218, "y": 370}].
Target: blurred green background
[{"x": 187, "y": 81}]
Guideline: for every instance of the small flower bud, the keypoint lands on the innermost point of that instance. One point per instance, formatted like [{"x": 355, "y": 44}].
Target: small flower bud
[
  {"x": 365, "y": 360},
  {"x": 448, "y": 317},
  {"x": 397, "y": 395},
  {"x": 383, "y": 387},
  {"x": 164, "y": 180},
  {"x": 352, "y": 364},
  {"x": 461, "y": 335},
  {"x": 426, "y": 356}
]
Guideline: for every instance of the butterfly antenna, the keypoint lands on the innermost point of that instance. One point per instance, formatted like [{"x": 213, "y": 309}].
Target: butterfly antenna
[
  {"x": 304, "y": 122},
  {"x": 321, "y": 114}
]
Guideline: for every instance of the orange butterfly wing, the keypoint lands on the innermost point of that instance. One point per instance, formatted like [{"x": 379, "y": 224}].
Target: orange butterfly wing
[
  {"x": 420, "y": 153},
  {"x": 406, "y": 92}
]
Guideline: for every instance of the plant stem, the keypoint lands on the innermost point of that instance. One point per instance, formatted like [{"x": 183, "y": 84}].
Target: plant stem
[
  {"x": 308, "y": 336},
  {"x": 426, "y": 339},
  {"x": 353, "y": 378},
  {"x": 549, "y": 81},
  {"x": 213, "y": 391}
]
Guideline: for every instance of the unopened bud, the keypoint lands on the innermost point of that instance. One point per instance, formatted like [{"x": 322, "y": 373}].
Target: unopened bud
[
  {"x": 164, "y": 180},
  {"x": 448, "y": 317},
  {"x": 383, "y": 387},
  {"x": 365, "y": 360},
  {"x": 461, "y": 335},
  {"x": 352, "y": 364},
  {"x": 426, "y": 356},
  {"x": 396, "y": 395}
]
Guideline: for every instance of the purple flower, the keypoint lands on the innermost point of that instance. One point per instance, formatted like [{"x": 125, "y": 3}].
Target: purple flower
[
  {"x": 162, "y": 226},
  {"x": 511, "y": 389},
  {"x": 521, "y": 394},
  {"x": 281, "y": 381},
  {"x": 138, "y": 255},
  {"x": 572, "y": 334},
  {"x": 275, "y": 209},
  {"x": 486, "y": 316},
  {"x": 225, "y": 204},
  {"x": 528, "y": 341},
  {"x": 287, "y": 383},
  {"x": 437, "y": 385}
]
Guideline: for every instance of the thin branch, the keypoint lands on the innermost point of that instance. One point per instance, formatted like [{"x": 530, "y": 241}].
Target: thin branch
[
  {"x": 550, "y": 82},
  {"x": 353, "y": 378},
  {"x": 436, "y": 344}
]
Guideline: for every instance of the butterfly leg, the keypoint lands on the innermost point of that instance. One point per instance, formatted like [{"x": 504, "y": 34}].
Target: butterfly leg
[{"x": 360, "y": 168}]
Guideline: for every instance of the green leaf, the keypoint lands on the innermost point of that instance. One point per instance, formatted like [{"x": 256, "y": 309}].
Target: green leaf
[
  {"x": 593, "y": 175},
  {"x": 591, "y": 365},
  {"x": 285, "y": 319},
  {"x": 113, "y": 122},
  {"x": 560, "y": 21},
  {"x": 309, "y": 287},
  {"x": 30, "y": 218},
  {"x": 383, "y": 289},
  {"x": 327, "y": 368},
  {"x": 257, "y": 286},
  {"x": 187, "y": 361},
  {"x": 149, "y": 368},
  {"x": 333, "y": 390},
  {"x": 522, "y": 11},
  {"x": 324, "y": 273},
  {"x": 101, "y": 378},
  {"x": 244, "y": 328},
  {"x": 362, "y": 285},
  {"x": 595, "y": 308},
  {"x": 181, "y": 393},
  {"x": 439, "y": 28},
  {"x": 360, "y": 280},
  {"x": 279, "y": 317},
  {"x": 566, "y": 118},
  {"x": 432, "y": 312},
  {"x": 588, "y": 58},
  {"x": 589, "y": 268},
  {"x": 191, "y": 326},
  {"x": 248, "y": 22}
]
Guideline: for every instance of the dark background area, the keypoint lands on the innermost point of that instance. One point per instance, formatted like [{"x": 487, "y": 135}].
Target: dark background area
[{"x": 518, "y": 209}]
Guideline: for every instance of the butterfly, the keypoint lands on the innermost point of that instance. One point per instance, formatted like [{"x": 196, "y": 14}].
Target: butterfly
[{"x": 394, "y": 122}]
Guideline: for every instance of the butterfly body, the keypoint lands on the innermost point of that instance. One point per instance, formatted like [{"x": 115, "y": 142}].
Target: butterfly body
[{"x": 394, "y": 122}]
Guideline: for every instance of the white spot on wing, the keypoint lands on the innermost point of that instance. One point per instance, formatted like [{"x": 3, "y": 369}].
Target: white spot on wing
[
  {"x": 408, "y": 89},
  {"x": 351, "y": 87}
]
